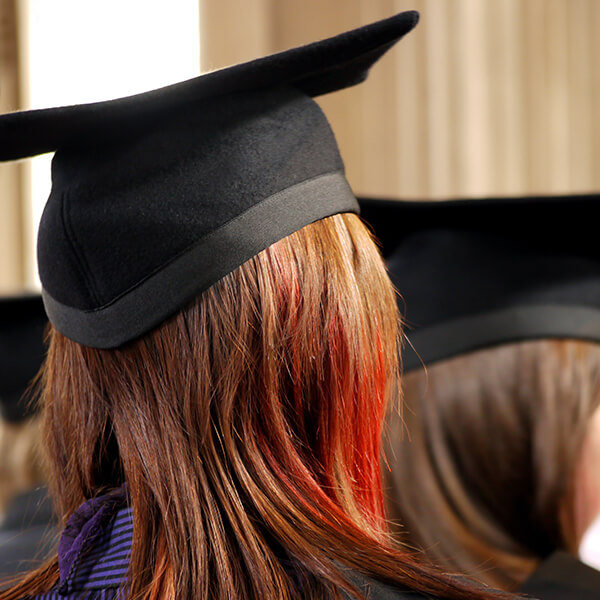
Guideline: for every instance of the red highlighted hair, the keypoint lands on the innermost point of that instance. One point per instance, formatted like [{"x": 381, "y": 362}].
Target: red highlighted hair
[{"x": 248, "y": 430}]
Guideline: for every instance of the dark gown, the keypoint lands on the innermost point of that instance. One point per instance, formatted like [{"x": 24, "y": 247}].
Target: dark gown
[
  {"x": 28, "y": 534},
  {"x": 563, "y": 577},
  {"x": 374, "y": 590},
  {"x": 94, "y": 550}
]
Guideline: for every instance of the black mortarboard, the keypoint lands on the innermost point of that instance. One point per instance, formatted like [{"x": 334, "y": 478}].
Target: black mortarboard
[
  {"x": 157, "y": 196},
  {"x": 22, "y": 350},
  {"x": 477, "y": 273}
]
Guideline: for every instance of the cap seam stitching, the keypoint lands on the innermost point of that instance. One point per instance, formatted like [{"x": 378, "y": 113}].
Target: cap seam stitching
[{"x": 77, "y": 251}]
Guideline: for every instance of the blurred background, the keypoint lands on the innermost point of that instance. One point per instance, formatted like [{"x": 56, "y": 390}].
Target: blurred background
[{"x": 485, "y": 98}]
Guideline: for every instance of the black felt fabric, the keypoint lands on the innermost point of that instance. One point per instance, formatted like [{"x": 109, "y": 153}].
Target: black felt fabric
[
  {"x": 314, "y": 69},
  {"x": 450, "y": 274},
  {"x": 220, "y": 252},
  {"x": 149, "y": 191},
  {"x": 22, "y": 350},
  {"x": 474, "y": 273},
  {"x": 123, "y": 211},
  {"x": 563, "y": 577}
]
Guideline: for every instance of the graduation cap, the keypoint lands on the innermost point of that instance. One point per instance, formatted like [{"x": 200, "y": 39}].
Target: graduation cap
[
  {"x": 157, "y": 196},
  {"x": 478, "y": 273},
  {"x": 22, "y": 351}
]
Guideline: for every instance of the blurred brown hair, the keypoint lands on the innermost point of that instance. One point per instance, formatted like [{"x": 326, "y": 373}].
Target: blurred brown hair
[
  {"x": 247, "y": 428},
  {"x": 490, "y": 444}
]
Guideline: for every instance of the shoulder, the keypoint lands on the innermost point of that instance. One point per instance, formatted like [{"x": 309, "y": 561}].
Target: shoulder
[
  {"x": 376, "y": 590},
  {"x": 28, "y": 533},
  {"x": 562, "y": 576},
  {"x": 94, "y": 550}
]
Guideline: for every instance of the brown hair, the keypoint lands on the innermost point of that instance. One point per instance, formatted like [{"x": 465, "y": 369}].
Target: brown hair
[
  {"x": 491, "y": 447},
  {"x": 247, "y": 428}
]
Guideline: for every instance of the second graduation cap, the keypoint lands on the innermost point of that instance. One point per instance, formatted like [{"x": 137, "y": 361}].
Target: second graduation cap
[
  {"x": 482, "y": 272},
  {"x": 155, "y": 197}
]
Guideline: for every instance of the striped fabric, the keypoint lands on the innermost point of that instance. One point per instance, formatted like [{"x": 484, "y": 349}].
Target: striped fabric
[
  {"x": 94, "y": 552},
  {"x": 108, "y": 594}
]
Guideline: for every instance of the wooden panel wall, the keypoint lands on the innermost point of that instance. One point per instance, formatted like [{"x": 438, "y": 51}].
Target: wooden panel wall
[
  {"x": 489, "y": 97},
  {"x": 11, "y": 207}
]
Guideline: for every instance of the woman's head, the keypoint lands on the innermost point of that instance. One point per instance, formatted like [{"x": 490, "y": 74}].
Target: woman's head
[
  {"x": 246, "y": 429},
  {"x": 251, "y": 419},
  {"x": 493, "y": 443},
  {"x": 489, "y": 463}
]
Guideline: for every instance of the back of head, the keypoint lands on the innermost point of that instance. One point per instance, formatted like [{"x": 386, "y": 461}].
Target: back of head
[
  {"x": 246, "y": 430},
  {"x": 490, "y": 446},
  {"x": 246, "y": 427},
  {"x": 504, "y": 314}
]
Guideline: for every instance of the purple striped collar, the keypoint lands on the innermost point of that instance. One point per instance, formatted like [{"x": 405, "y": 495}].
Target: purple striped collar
[{"x": 94, "y": 549}]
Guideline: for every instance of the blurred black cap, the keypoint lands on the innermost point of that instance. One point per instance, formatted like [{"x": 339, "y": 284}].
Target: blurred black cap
[
  {"x": 22, "y": 351},
  {"x": 482, "y": 272}
]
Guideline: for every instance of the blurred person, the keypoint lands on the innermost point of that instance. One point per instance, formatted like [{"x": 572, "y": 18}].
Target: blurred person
[
  {"x": 26, "y": 521},
  {"x": 223, "y": 342},
  {"x": 493, "y": 464}
]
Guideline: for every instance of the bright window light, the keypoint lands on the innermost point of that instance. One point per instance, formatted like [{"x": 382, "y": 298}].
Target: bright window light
[
  {"x": 85, "y": 51},
  {"x": 589, "y": 550}
]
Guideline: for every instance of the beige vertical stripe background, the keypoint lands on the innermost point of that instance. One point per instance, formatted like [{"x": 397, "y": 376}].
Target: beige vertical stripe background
[
  {"x": 12, "y": 205},
  {"x": 485, "y": 97}
]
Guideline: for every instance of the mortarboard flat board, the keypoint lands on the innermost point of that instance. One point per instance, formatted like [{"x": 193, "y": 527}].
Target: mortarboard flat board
[
  {"x": 157, "y": 196},
  {"x": 481, "y": 272},
  {"x": 22, "y": 351}
]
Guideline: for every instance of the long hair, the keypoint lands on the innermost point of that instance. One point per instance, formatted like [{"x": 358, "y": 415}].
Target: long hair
[
  {"x": 491, "y": 442},
  {"x": 247, "y": 428}
]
